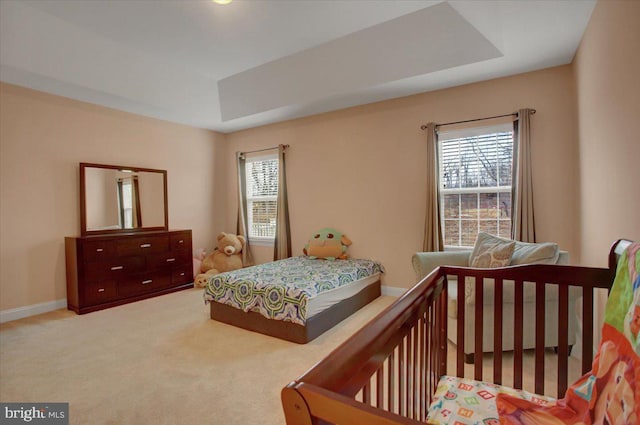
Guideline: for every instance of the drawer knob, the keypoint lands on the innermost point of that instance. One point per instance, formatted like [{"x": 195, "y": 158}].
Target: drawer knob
[
  {"x": 100, "y": 289},
  {"x": 180, "y": 241},
  {"x": 145, "y": 245},
  {"x": 146, "y": 282},
  {"x": 99, "y": 249},
  {"x": 182, "y": 274},
  {"x": 117, "y": 267},
  {"x": 169, "y": 260}
]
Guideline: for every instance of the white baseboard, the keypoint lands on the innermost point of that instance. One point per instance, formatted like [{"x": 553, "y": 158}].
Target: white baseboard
[
  {"x": 31, "y": 310},
  {"x": 393, "y": 291}
]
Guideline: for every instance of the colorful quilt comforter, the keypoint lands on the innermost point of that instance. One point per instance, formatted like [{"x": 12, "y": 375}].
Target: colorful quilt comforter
[
  {"x": 281, "y": 290},
  {"x": 460, "y": 401}
]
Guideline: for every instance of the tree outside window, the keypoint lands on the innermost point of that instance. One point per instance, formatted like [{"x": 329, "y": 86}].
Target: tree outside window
[{"x": 475, "y": 184}]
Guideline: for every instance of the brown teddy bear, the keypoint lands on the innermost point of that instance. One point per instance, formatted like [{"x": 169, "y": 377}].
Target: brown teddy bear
[{"x": 226, "y": 257}]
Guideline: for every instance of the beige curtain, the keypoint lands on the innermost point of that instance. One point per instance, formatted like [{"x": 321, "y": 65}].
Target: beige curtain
[
  {"x": 522, "y": 219},
  {"x": 243, "y": 226},
  {"x": 282, "y": 243},
  {"x": 432, "y": 228}
]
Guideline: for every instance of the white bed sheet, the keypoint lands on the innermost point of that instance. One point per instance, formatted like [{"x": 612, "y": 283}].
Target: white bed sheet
[{"x": 329, "y": 298}]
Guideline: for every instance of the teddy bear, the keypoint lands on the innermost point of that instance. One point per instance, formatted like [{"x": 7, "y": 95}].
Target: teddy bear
[
  {"x": 198, "y": 256},
  {"x": 226, "y": 257},
  {"x": 328, "y": 244}
]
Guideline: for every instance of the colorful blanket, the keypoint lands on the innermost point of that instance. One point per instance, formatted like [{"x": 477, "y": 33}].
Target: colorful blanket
[
  {"x": 281, "y": 290},
  {"x": 610, "y": 393},
  {"x": 460, "y": 401}
]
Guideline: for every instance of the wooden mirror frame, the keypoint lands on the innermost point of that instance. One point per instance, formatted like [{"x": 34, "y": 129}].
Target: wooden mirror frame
[{"x": 83, "y": 200}]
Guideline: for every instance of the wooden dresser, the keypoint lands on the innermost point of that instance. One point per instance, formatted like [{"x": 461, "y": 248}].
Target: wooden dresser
[{"x": 108, "y": 270}]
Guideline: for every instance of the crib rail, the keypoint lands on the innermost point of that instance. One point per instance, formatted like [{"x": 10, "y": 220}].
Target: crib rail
[
  {"x": 387, "y": 372},
  {"x": 538, "y": 279}
]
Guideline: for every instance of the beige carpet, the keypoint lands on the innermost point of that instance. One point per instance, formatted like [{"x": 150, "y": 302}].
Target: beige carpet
[
  {"x": 163, "y": 361},
  {"x": 158, "y": 361}
]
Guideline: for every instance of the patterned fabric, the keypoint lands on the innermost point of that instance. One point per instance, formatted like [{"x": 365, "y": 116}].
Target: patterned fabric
[
  {"x": 610, "y": 392},
  {"x": 281, "y": 290},
  {"x": 490, "y": 251},
  {"x": 466, "y": 402}
]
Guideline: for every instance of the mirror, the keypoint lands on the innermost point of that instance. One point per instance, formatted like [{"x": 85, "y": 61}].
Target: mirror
[{"x": 116, "y": 198}]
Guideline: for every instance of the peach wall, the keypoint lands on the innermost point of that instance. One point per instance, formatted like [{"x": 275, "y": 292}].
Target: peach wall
[
  {"x": 362, "y": 169},
  {"x": 607, "y": 74},
  {"x": 43, "y": 138},
  {"x": 359, "y": 169}
]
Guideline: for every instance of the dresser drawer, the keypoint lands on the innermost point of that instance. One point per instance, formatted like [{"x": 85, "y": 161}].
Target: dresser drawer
[
  {"x": 113, "y": 268},
  {"x": 96, "y": 293},
  {"x": 142, "y": 245},
  {"x": 98, "y": 250},
  {"x": 142, "y": 283},
  {"x": 180, "y": 241},
  {"x": 168, "y": 260},
  {"x": 181, "y": 275}
]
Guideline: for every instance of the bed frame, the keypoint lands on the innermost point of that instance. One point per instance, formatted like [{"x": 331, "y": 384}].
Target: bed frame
[
  {"x": 315, "y": 325},
  {"x": 387, "y": 372}
]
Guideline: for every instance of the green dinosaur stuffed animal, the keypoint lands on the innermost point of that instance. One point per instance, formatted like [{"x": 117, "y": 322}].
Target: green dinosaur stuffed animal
[{"x": 328, "y": 244}]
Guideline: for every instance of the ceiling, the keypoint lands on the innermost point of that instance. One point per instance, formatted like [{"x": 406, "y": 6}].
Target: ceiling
[{"x": 254, "y": 62}]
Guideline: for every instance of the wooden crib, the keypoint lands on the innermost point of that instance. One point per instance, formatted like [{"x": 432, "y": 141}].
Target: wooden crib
[{"x": 387, "y": 372}]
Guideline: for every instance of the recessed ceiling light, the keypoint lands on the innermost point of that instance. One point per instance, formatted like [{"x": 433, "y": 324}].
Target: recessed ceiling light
[{"x": 222, "y": 1}]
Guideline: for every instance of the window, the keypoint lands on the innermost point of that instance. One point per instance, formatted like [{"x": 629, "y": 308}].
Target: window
[
  {"x": 475, "y": 183},
  {"x": 127, "y": 205},
  {"x": 262, "y": 194}
]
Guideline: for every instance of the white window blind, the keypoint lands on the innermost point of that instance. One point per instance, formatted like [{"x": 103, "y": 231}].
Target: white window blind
[
  {"x": 475, "y": 183},
  {"x": 262, "y": 194}
]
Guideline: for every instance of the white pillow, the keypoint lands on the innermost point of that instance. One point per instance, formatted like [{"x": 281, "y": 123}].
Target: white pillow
[
  {"x": 490, "y": 251},
  {"x": 535, "y": 253},
  {"x": 523, "y": 253}
]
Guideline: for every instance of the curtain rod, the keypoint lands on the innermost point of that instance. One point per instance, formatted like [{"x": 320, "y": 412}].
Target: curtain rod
[
  {"x": 265, "y": 149},
  {"x": 423, "y": 127}
]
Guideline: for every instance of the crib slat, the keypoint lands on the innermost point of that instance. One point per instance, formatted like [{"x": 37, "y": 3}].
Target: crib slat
[
  {"x": 460, "y": 331},
  {"x": 518, "y": 333},
  {"x": 426, "y": 373},
  {"x": 414, "y": 371},
  {"x": 401, "y": 376},
  {"x": 479, "y": 327},
  {"x": 423, "y": 351},
  {"x": 563, "y": 339},
  {"x": 497, "y": 332},
  {"x": 366, "y": 394},
  {"x": 441, "y": 331},
  {"x": 587, "y": 329},
  {"x": 390, "y": 382},
  {"x": 380, "y": 388},
  {"x": 434, "y": 354},
  {"x": 539, "y": 352},
  {"x": 409, "y": 375},
  {"x": 433, "y": 372}
]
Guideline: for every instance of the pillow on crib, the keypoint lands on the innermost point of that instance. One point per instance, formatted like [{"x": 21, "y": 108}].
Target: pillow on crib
[{"x": 490, "y": 251}]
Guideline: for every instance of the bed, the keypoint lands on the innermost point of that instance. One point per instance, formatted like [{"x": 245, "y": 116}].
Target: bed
[
  {"x": 296, "y": 299},
  {"x": 399, "y": 364}
]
